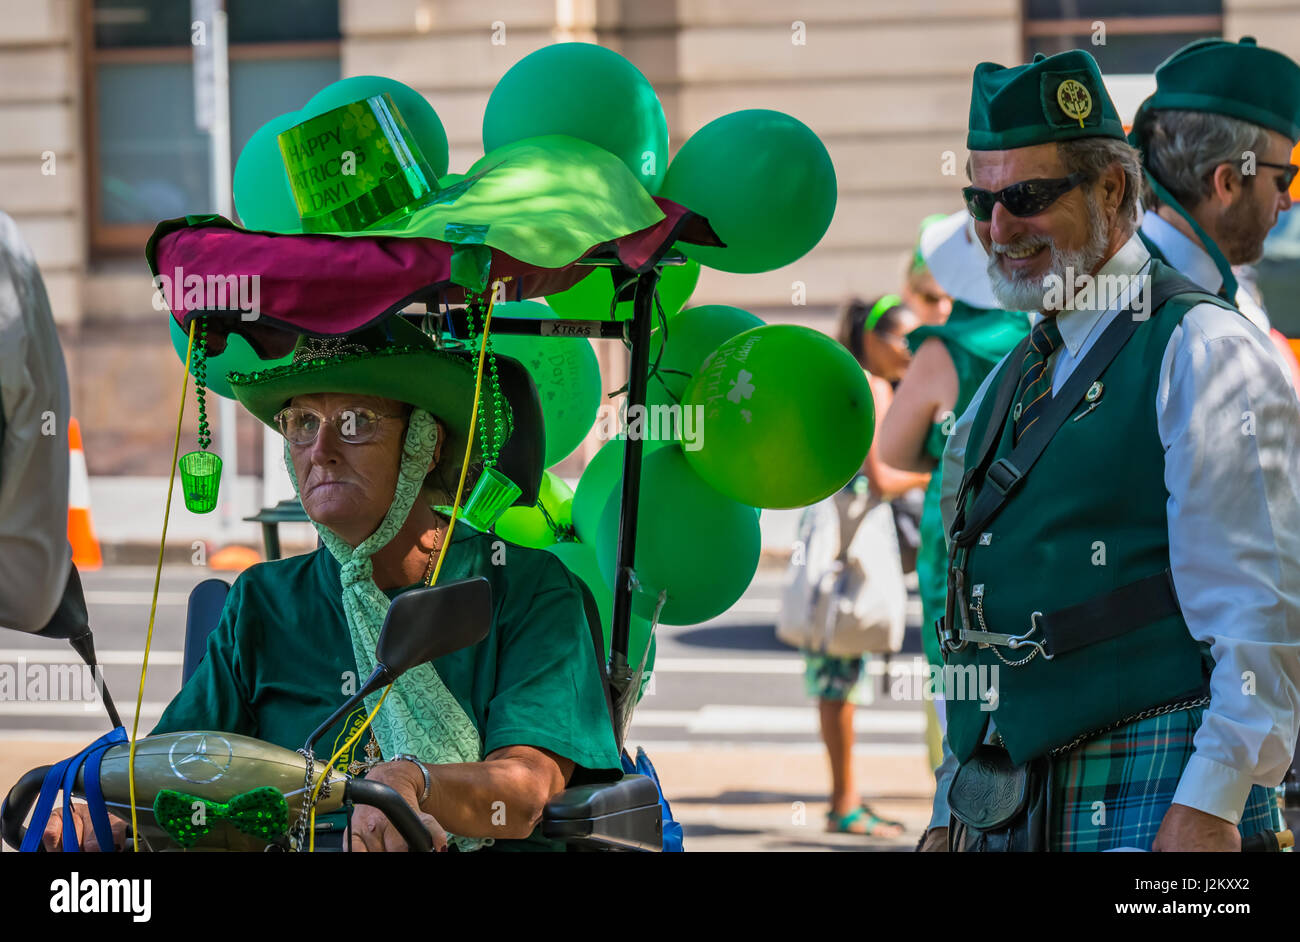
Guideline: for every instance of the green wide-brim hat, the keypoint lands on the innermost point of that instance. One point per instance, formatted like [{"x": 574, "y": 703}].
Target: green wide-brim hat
[
  {"x": 1053, "y": 98},
  {"x": 1240, "y": 80},
  {"x": 406, "y": 366}
]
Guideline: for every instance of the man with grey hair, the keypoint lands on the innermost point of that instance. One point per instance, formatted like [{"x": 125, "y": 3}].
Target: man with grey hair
[
  {"x": 1123, "y": 511},
  {"x": 1216, "y": 139}
]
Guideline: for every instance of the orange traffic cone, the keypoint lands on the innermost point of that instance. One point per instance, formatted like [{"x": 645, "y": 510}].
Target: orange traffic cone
[{"x": 81, "y": 534}]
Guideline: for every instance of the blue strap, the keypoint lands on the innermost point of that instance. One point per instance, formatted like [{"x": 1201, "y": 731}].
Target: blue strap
[
  {"x": 70, "y": 843},
  {"x": 95, "y": 793},
  {"x": 64, "y": 775},
  {"x": 44, "y": 805}
]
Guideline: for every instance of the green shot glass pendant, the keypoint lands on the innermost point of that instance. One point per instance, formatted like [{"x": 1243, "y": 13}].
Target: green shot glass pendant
[
  {"x": 494, "y": 492},
  {"x": 201, "y": 470}
]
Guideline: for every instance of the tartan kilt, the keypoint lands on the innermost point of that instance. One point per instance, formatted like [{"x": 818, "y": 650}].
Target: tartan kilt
[{"x": 1133, "y": 772}]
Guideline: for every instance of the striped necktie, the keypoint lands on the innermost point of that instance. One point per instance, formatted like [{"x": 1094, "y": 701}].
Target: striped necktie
[{"x": 1034, "y": 392}]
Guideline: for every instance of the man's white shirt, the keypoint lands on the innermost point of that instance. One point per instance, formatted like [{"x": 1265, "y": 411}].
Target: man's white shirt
[{"x": 1229, "y": 423}]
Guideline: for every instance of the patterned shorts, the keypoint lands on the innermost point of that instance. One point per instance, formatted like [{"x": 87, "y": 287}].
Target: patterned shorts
[
  {"x": 1114, "y": 790},
  {"x": 837, "y": 678}
]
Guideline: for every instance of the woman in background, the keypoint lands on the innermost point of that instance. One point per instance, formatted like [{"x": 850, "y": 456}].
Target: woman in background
[
  {"x": 875, "y": 334},
  {"x": 951, "y": 361}
]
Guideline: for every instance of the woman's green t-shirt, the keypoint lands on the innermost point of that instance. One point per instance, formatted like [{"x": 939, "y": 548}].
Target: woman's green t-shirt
[
  {"x": 280, "y": 661},
  {"x": 976, "y": 339}
]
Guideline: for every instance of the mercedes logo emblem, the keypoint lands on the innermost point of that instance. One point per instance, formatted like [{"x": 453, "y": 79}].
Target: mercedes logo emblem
[{"x": 200, "y": 757}]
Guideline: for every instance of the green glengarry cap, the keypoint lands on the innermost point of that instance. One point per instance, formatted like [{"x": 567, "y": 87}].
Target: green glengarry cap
[
  {"x": 1053, "y": 98},
  {"x": 1240, "y": 80}
]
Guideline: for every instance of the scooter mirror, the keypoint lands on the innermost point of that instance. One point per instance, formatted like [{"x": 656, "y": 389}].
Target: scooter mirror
[{"x": 424, "y": 624}]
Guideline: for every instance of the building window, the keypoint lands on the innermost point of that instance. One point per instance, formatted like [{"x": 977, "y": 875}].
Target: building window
[
  {"x": 147, "y": 160},
  {"x": 1133, "y": 42}
]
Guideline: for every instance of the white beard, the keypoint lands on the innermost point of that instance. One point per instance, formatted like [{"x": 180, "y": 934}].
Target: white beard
[{"x": 1026, "y": 293}]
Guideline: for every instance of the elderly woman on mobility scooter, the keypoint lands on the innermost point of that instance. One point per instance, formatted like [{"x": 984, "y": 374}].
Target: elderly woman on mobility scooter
[{"x": 479, "y": 740}]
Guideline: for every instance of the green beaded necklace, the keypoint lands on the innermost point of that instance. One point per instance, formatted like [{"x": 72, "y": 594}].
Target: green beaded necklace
[
  {"x": 494, "y": 492},
  {"x": 201, "y": 470}
]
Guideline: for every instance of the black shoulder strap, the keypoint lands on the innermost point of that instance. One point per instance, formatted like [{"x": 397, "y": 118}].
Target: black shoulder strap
[{"x": 1005, "y": 474}]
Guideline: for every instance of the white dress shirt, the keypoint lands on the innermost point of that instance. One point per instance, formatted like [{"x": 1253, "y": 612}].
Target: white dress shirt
[{"x": 1229, "y": 422}]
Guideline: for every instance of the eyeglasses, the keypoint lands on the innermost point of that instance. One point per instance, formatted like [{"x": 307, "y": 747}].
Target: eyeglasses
[
  {"x": 1289, "y": 171},
  {"x": 355, "y": 425},
  {"x": 1026, "y": 198}
]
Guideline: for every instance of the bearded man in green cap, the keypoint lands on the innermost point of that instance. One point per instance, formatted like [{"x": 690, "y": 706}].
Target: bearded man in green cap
[
  {"x": 1123, "y": 511},
  {"x": 1216, "y": 141}
]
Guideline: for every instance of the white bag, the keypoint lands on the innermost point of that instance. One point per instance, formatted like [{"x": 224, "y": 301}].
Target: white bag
[{"x": 844, "y": 593}]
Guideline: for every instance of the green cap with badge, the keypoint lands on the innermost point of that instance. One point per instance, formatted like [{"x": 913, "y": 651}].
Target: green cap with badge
[
  {"x": 1240, "y": 80},
  {"x": 1053, "y": 98}
]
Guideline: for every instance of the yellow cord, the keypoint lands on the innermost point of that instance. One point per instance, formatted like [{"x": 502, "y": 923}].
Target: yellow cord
[
  {"x": 157, "y": 578},
  {"x": 442, "y": 555},
  {"x": 311, "y": 825}
]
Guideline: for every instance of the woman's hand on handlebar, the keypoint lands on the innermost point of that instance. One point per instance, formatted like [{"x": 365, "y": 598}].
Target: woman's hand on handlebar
[
  {"x": 53, "y": 838},
  {"x": 371, "y": 829}
]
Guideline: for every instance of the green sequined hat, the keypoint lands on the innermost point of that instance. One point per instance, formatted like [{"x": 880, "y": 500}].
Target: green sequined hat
[
  {"x": 1240, "y": 80},
  {"x": 1053, "y": 98},
  {"x": 407, "y": 366}
]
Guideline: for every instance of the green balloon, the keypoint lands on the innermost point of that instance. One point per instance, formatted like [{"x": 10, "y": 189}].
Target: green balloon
[
  {"x": 692, "y": 336},
  {"x": 788, "y": 416},
  {"x": 529, "y": 309},
  {"x": 602, "y": 477},
  {"x": 449, "y": 179},
  {"x": 525, "y": 526},
  {"x": 585, "y": 91},
  {"x": 567, "y": 377},
  {"x": 556, "y": 496},
  {"x": 580, "y": 559},
  {"x": 765, "y": 183},
  {"x": 423, "y": 122},
  {"x": 261, "y": 190},
  {"x": 528, "y": 526},
  {"x": 701, "y": 547},
  {"x": 590, "y": 298},
  {"x": 238, "y": 357}
]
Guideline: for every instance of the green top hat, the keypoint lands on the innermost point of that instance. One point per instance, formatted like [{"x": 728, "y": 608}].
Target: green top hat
[
  {"x": 354, "y": 166},
  {"x": 1053, "y": 98},
  {"x": 1240, "y": 80},
  {"x": 407, "y": 366}
]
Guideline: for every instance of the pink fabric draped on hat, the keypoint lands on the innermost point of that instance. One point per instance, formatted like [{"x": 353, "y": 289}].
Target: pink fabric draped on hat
[{"x": 332, "y": 285}]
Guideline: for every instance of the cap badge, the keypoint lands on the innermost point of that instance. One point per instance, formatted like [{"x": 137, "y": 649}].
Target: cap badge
[{"x": 1074, "y": 100}]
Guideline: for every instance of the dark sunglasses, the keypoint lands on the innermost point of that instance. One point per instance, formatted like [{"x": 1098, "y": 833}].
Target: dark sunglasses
[
  {"x": 1026, "y": 198},
  {"x": 1289, "y": 171}
]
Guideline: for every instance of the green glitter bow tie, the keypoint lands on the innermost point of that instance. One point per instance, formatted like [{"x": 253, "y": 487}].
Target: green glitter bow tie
[{"x": 262, "y": 813}]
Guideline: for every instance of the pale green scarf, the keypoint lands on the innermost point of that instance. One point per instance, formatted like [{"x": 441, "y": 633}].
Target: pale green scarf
[{"x": 420, "y": 715}]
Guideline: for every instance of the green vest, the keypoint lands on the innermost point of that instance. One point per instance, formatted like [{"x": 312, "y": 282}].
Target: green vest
[{"x": 1089, "y": 517}]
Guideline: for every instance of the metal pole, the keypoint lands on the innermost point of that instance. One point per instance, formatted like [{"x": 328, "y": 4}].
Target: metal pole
[
  {"x": 224, "y": 200},
  {"x": 620, "y": 673}
]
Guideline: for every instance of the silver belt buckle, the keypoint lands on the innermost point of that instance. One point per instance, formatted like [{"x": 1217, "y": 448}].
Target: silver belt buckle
[{"x": 1010, "y": 641}]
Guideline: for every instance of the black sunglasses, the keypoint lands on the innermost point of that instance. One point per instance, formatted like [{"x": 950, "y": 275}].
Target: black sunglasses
[
  {"x": 1283, "y": 182},
  {"x": 1026, "y": 198}
]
